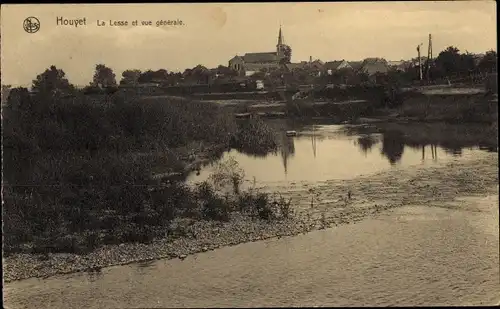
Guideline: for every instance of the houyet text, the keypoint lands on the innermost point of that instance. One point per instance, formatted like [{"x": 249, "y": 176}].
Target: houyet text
[{"x": 61, "y": 21}]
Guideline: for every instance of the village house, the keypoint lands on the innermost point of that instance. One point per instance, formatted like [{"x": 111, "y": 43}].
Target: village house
[
  {"x": 371, "y": 66},
  {"x": 399, "y": 65},
  {"x": 316, "y": 66},
  {"x": 356, "y": 65},
  {"x": 331, "y": 66},
  {"x": 299, "y": 65},
  {"x": 312, "y": 66}
]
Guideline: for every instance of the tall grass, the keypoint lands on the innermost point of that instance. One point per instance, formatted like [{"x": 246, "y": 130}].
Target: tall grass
[
  {"x": 254, "y": 136},
  {"x": 77, "y": 170},
  {"x": 491, "y": 83},
  {"x": 228, "y": 178},
  {"x": 451, "y": 108}
]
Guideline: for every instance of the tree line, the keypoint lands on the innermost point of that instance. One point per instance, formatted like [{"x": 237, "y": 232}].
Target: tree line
[{"x": 450, "y": 63}]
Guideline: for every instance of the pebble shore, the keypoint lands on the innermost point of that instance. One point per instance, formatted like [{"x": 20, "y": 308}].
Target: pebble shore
[
  {"x": 209, "y": 236},
  {"x": 434, "y": 187}
]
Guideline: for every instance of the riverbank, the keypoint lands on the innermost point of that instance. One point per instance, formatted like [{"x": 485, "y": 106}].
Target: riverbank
[
  {"x": 435, "y": 186},
  {"x": 409, "y": 256},
  {"x": 410, "y": 106},
  {"x": 79, "y": 175}
]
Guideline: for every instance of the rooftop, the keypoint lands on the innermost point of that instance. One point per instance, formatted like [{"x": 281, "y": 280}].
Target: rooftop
[{"x": 260, "y": 57}]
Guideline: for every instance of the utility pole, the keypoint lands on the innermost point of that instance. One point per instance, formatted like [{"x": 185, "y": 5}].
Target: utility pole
[
  {"x": 419, "y": 62},
  {"x": 429, "y": 58}
]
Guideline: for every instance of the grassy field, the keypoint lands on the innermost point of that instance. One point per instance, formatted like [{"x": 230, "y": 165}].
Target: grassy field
[{"x": 459, "y": 108}]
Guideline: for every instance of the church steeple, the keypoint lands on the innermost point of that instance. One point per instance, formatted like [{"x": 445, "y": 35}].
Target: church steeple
[
  {"x": 279, "y": 46},
  {"x": 280, "y": 38}
]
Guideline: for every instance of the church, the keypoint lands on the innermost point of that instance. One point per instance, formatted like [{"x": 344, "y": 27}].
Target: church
[{"x": 254, "y": 62}]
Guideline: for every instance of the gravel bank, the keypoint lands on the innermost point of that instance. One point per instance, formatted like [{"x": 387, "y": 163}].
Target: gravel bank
[
  {"x": 206, "y": 235},
  {"x": 431, "y": 186}
]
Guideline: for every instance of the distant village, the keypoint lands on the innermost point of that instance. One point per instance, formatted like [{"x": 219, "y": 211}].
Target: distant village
[
  {"x": 262, "y": 71},
  {"x": 251, "y": 63},
  {"x": 256, "y": 67}
]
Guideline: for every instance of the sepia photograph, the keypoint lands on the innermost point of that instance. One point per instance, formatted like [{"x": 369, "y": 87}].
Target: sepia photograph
[{"x": 236, "y": 155}]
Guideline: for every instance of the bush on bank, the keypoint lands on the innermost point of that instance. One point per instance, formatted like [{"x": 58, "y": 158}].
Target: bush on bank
[
  {"x": 451, "y": 108},
  {"x": 77, "y": 169}
]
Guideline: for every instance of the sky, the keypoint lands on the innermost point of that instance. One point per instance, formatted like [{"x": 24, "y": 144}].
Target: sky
[{"x": 213, "y": 33}]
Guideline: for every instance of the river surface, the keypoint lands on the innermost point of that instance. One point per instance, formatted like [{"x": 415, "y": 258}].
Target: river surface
[
  {"x": 425, "y": 253},
  {"x": 414, "y": 255},
  {"x": 322, "y": 152}
]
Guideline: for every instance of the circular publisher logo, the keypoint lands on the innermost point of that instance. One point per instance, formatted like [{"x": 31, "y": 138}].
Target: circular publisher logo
[{"x": 31, "y": 24}]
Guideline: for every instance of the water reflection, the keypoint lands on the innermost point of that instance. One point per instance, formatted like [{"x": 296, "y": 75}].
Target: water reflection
[
  {"x": 454, "y": 150},
  {"x": 433, "y": 152},
  {"x": 313, "y": 140},
  {"x": 287, "y": 150},
  {"x": 346, "y": 154},
  {"x": 395, "y": 141},
  {"x": 393, "y": 146},
  {"x": 366, "y": 143},
  {"x": 488, "y": 148}
]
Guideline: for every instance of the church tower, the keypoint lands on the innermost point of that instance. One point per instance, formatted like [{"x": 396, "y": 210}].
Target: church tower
[{"x": 279, "y": 46}]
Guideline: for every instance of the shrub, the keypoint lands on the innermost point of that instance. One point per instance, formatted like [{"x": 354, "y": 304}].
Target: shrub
[
  {"x": 451, "y": 108},
  {"x": 284, "y": 206},
  {"x": 491, "y": 83},
  {"x": 254, "y": 136},
  {"x": 216, "y": 208},
  {"x": 227, "y": 175},
  {"x": 76, "y": 164}
]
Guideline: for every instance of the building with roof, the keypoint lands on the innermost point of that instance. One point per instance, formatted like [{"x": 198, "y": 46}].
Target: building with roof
[
  {"x": 316, "y": 65},
  {"x": 356, "y": 65},
  {"x": 254, "y": 62},
  {"x": 399, "y": 65},
  {"x": 370, "y": 66},
  {"x": 331, "y": 66}
]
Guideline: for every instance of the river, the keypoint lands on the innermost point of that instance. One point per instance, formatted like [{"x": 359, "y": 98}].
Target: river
[
  {"x": 413, "y": 255},
  {"x": 433, "y": 252},
  {"x": 328, "y": 151}
]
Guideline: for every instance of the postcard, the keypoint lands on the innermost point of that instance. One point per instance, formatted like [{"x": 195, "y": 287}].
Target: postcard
[{"x": 250, "y": 154}]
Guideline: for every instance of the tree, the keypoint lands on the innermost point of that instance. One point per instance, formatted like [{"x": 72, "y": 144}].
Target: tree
[
  {"x": 358, "y": 77},
  {"x": 340, "y": 76},
  {"x": 19, "y": 98},
  {"x": 104, "y": 77},
  {"x": 489, "y": 62},
  {"x": 174, "y": 78},
  {"x": 448, "y": 61},
  {"x": 302, "y": 75},
  {"x": 130, "y": 77},
  {"x": 375, "y": 60},
  {"x": 467, "y": 62},
  {"x": 5, "y": 92},
  {"x": 287, "y": 54},
  {"x": 226, "y": 71},
  {"x": 146, "y": 77},
  {"x": 151, "y": 76},
  {"x": 198, "y": 74},
  {"x": 51, "y": 81}
]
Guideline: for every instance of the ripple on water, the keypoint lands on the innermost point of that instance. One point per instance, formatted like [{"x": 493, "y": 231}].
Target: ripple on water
[{"x": 407, "y": 256}]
